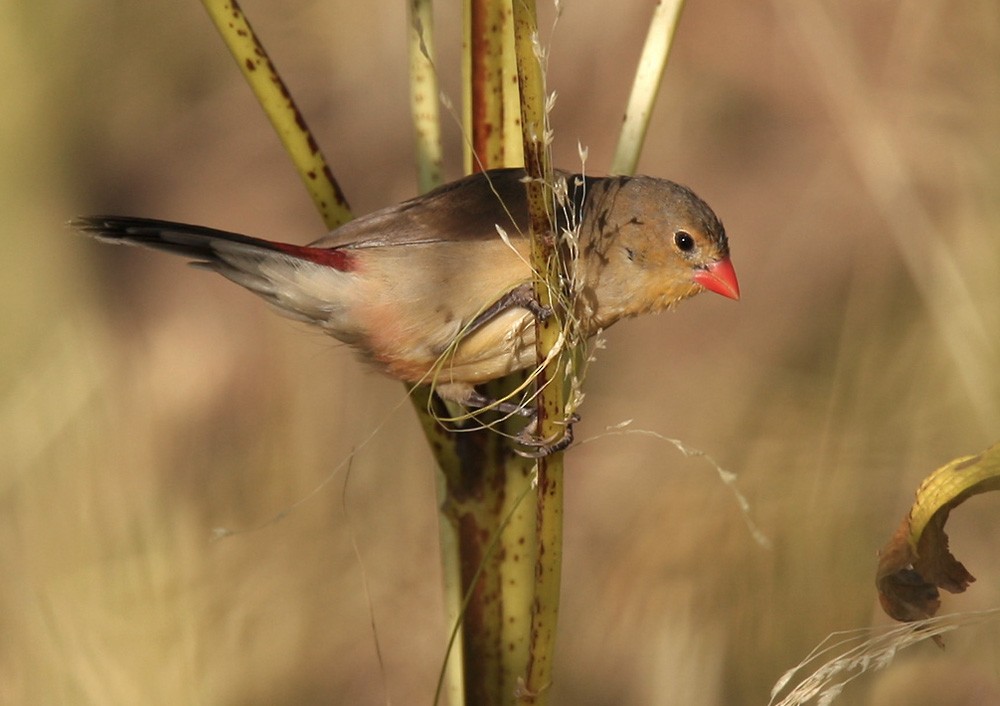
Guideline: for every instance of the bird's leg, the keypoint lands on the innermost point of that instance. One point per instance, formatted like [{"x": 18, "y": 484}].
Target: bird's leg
[
  {"x": 477, "y": 400},
  {"x": 473, "y": 400},
  {"x": 522, "y": 296}
]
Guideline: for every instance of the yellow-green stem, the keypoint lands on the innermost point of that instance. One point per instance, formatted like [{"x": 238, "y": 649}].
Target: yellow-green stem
[
  {"x": 551, "y": 407},
  {"x": 424, "y": 95},
  {"x": 646, "y": 85},
  {"x": 487, "y": 526},
  {"x": 274, "y": 98}
]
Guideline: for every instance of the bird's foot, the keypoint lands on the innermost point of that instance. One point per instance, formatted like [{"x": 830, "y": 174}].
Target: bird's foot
[{"x": 539, "y": 447}]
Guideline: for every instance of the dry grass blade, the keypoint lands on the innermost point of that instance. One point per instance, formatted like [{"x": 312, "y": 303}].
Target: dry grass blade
[{"x": 850, "y": 654}]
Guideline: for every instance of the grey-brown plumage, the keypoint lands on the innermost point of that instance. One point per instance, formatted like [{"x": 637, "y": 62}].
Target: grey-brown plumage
[{"x": 429, "y": 291}]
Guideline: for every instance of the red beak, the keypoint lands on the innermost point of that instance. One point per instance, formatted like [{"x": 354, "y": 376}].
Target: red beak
[{"x": 719, "y": 277}]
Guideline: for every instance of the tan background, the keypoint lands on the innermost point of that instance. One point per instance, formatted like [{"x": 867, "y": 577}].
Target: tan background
[{"x": 851, "y": 149}]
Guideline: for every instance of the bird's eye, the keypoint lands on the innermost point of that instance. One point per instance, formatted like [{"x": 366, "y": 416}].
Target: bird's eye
[{"x": 683, "y": 241}]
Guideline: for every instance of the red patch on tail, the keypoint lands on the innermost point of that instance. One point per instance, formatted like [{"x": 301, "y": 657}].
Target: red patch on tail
[{"x": 328, "y": 257}]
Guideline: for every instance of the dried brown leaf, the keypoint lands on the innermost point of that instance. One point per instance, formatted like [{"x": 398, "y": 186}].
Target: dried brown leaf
[{"x": 916, "y": 561}]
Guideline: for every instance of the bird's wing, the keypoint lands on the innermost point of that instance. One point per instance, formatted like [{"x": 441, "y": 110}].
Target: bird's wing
[{"x": 466, "y": 210}]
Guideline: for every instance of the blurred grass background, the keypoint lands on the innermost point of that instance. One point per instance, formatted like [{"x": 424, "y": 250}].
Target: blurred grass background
[{"x": 851, "y": 149}]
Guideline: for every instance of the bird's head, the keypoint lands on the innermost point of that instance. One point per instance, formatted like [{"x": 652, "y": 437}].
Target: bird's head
[{"x": 650, "y": 243}]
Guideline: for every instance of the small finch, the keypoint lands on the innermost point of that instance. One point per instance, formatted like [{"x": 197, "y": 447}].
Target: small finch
[{"x": 430, "y": 290}]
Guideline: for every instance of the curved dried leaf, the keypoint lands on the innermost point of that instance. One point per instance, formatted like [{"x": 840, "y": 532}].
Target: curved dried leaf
[{"x": 916, "y": 562}]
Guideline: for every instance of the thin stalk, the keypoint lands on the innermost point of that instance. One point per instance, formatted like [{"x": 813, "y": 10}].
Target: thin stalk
[
  {"x": 424, "y": 95},
  {"x": 481, "y": 508},
  {"x": 550, "y": 383},
  {"x": 487, "y": 501},
  {"x": 487, "y": 28},
  {"x": 646, "y": 85},
  {"x": 281, "y": 110}
]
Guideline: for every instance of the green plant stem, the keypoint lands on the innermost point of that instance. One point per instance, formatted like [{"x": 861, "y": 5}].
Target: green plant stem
[
  {"x": 281, "y": 110},
  {"x": 424, "y": 95},
  {"x": 488, "y": 500},
  {"x": 551, "y": 405},
  {"x": 646, "y": 85},
  {"x": 487, "y": 25}
]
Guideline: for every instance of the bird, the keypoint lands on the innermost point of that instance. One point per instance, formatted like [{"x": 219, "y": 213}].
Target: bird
[{"x": 439, "y": 288}]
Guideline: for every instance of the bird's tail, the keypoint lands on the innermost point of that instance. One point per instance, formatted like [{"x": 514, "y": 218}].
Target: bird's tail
[
  {"x": 307, "y": 283},
  {"x": 205, "y": 246},
  {"x": 178, "y": 238}
]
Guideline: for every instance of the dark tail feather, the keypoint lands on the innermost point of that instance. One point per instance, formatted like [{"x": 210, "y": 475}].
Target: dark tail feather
[
  {"x": 178, "y": 238},
  {"x": 204, "y": 245},
  {"x": 306, "y": 283}
]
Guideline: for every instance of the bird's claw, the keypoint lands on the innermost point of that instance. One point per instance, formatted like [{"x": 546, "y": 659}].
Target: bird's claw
[
  {"x": 539, "y": 447},
  {"x": 538, "y": 310}
]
